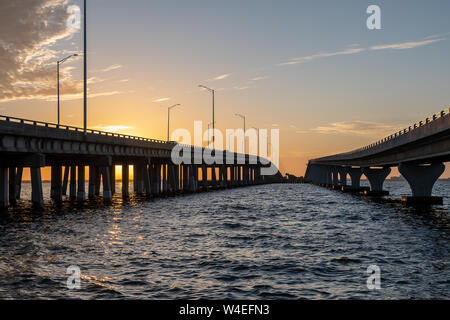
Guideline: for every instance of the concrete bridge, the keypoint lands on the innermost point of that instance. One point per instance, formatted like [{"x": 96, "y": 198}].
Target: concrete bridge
[
  {"x": 418, "y": 151},
  {"x": 70, "y": 152}
]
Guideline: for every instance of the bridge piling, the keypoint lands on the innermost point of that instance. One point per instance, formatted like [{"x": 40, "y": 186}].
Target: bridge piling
[
  {"x": 421, "y": 179},
  {"x": 376, "y": 179},
  {"x": 19, "y": 182},
  {"x": 113, "y": 179},
  {"x": 125, "y": 180},
  {"x": 37, "y": 196},
  {"x": 107, "y": 195},
  {"x": 73, "y": 183},
  {"x": 81, "y": 194},
  {"x": 57, "y": 196},
  {"x": 12, "y": 186},
  {"x": 65, "y": 180},
  {"x": 91, "y": 186},
  {"x": 4, "y": 187}
]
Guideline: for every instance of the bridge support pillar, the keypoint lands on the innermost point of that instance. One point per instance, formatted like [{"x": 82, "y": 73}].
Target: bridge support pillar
[
  {"x": 4, "y": 187},
  {"x": 37, "y": 196},
  {"x": 12, "y": 186},
  {"x": 97, "y": 179},
  {"x": 146, "y": 178},
  {"x": 421, "y": 179},
  {"x": 19, "y": 182},
  {"x": 355, "y": 175},
  {"x": 125, "y": 180},
  {"x": 376, "y": 179},
  {"x": 107, "y": 194},
  {"x": 204, "y": 178},
  {"x": 91, "y": 186},
  {"x": 57, "y": 192},
  {"x": 335, "y": 177},
  {"x": 342, "y": 176},
  {"x": 81, "y": 194},
  {"x": 73, "y": 182},
  {"x": 65, "y": 180},
  {"x": 113, "y": 179}
]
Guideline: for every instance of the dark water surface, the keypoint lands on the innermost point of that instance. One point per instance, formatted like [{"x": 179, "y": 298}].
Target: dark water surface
[{"x": 264, "y": 242}]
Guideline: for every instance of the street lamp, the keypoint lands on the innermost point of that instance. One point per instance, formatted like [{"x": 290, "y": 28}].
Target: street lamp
[
  {"x": 208, "y": 129},
  {"x": 58, "y": 63},
  {"x": 243, "y": 117},
  {"x": 85, "y": 74},
  {"x": 213, "y": 122},
  {"x": 168, "y": 119}
]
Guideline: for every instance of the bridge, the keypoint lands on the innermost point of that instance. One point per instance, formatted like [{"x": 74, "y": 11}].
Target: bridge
[
  {"x": 418, "y": 151},
  {"x": 34, "y": 145}
]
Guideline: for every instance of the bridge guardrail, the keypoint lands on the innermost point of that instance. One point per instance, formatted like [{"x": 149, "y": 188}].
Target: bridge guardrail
[
  {"x": 77, "y": 129},
  {"x": 406, "y": 130}
]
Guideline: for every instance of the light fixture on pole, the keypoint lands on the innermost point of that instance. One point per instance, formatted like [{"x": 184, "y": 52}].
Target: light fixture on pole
[
  {"x": 213, "y": 121},
  {"x": 58, "y": 63},
  {"x": 85, "y": 74},
  {"x": 168, "y": 119},
  {"x": 209, "y": 124},
  {"x": 243, "y": 117}
]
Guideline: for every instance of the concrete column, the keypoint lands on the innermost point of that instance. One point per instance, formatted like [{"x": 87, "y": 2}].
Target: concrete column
[
  {"x": 12, "y": 186},
  {"x": 98, "y": 179},
  {"x": 355, "y": 175},
  {"x": 65, "y": 180},
  {"x": 376, "y": 179},
  {"x": 185, "y": 178},
  {"x": 81, "y": 194},
  {"x": 73, "y": 182},
  {"x": 342, "y": 176},
  {"x": 4, "y": 188},
  {"x": 421, "y": 179},
  {"x": 52, "y": 182},
  {"x": 19, "y": 182},
  {"x": 91, "y": 187},
  {"x": 335, "y": 177},
  {"x": 135, "y": 178},
  {"x": 191, "y": 178},
  {"x": 146, "y": 180},
  {"x": 37, "y": 196},
  {"x": 157, "y": 185},
  {"x": 57, "y": 195},
  {"x": 164, "y": 177},
  {"x": 176, "y": 169},
  {"x": 107, "y": 195},
  {"x": 113, "y": 179},
  {"x": 125, "y": 180}
]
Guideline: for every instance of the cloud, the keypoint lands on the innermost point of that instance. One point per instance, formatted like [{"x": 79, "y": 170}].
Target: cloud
[
  {"x": 223, "y": 76},
  {"x": 406, "y": 45},
  {"x": 259, "y": 78},
  {"x": 241, "y": 88},
  {"x": 113, "y": 128},
  {"x": 28, "y": 30},
  {"x": 161, "y": 100},
  {"x": 355, "y": 127},
  {"x": 112, "y": 67},
  {"x": 322, "y": 55},
  {"x": 354, "y": 50}
]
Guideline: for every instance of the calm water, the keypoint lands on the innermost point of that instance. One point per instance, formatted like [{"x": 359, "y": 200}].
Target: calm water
[{"x": 264, "y": 242}]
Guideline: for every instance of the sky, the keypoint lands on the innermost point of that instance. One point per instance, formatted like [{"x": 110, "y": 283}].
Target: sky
[{"x": 311, "y": 69}]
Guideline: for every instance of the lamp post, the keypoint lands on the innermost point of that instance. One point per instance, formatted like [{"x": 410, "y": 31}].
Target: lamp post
[
  {"x": 243, "y": 117},
  {"x": 208, "y": 130},
  {"x": 85, "y": 74},
  {"x": 213, "y": 121},
  {"x": 168, "y": 119},
  {"x": 58, "y": 63}
]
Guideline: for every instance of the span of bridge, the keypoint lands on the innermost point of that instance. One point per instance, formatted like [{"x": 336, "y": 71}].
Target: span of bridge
[
  {"x": 69, "y": 151},
  {"x": 418, "y": 151}
]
